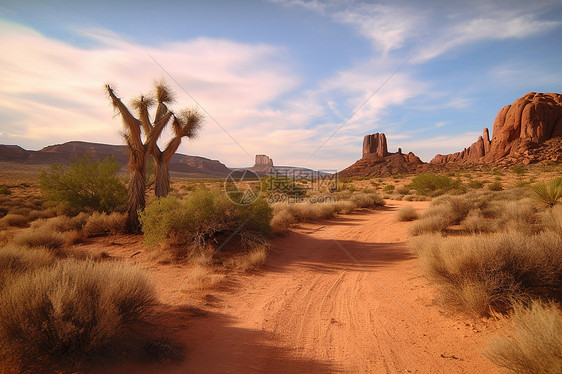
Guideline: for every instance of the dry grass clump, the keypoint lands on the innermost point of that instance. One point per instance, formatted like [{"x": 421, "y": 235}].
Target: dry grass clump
[
  {"x": 100, "y": 224},
  {"x": 429, "y": 224},
  {"x": 252, "y": 260},
  {"x": 70, "y": 310},
  {"x": 551, "y": 219},
  {"x": 202, "y": 278},
  {"x": 482, "y": 274},
  {"x": 407, "y": 213},
  {"x": 367, "y": 200},
  {"x": 476, "y": 223},
  {"x": 16, "y": 260},
  {"x": 41, "y": 238},
  {"x": 282, "y": 218},
  {"x": 11, "y": 219},
  {"x": 532, "y": 340}
]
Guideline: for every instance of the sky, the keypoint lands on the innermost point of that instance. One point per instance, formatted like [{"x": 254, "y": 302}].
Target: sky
[{"x": 301, "y": 81}]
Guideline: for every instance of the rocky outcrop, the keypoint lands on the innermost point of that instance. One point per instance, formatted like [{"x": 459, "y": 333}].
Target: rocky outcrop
[
  {"x": 374, "y": 146},
  {"x": 518, "y": 135},
  {"x": 263, "y": 164},
  {"x": 377, "y": 161}
]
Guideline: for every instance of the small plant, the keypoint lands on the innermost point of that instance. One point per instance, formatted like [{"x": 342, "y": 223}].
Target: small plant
[
  {"x": 85, "y": 185},
  {"x": 388, "y": 188},
  {"x": 475, "y": 184},
  {"x": 5, "y": 190},
  {"x": 407, "y": 213},
  {"x": 548, "y": 192},
  {"x": 517, "y": 169}
]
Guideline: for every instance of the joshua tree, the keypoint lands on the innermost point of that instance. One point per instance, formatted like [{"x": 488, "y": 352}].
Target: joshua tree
[
  {"x": 138, "y": 154},
  {"x": 185, "y": 124}
]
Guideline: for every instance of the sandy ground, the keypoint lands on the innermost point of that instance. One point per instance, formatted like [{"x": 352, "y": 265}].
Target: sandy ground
[{"x": 343, "y": 295}]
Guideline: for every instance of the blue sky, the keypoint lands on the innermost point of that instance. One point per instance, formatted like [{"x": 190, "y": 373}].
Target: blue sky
[{"x": 279, "y": 76}]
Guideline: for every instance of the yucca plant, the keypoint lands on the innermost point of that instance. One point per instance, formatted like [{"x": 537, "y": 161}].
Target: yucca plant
[{"x": 548, "y": 192}]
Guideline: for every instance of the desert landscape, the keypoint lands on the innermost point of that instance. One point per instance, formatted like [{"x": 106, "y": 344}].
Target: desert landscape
[{"x": 195, "y": 203}]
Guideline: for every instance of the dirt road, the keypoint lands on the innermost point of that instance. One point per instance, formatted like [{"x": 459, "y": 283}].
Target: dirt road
[{"x": 341, "y": 296}]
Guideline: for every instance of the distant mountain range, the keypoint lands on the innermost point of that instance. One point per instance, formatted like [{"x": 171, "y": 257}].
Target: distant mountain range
[{"x": 181, "y": 165}]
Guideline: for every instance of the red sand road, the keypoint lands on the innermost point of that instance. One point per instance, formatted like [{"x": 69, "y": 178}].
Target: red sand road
[{"x": 344, "y": 296}]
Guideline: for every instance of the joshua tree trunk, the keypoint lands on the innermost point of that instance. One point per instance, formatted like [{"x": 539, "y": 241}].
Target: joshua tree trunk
[
  {"x": 136, "y": 200},
  {"x": 161, "y": 179}
]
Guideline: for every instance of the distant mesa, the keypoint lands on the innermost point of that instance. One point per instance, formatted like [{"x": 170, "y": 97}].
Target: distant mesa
[
  {"x": 263, "y": 165},
  {"x": 181, "y": 165},
  {"x": 377, "y": 161},
  {"x": 527, "y": 131}
]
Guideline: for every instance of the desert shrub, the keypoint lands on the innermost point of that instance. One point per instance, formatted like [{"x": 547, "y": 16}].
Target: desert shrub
[
  {"x": 475, "y": 184},
  {"x": 548, "y": 192},
  {"x": 481, "y": 274},
  {"x": 252, "y": 260},
  {"x": 14, "y": 220},
  {"x": 282, "y": 219},
  {"x": 407, "y": 213},
  {"x": 388, "y": 188},
  {"x": 304, "y": 212},
  {"x": 429, "y": 224},
  {"x": 432, "y": 184},
  {"x": 16, "y": 260},
  {"x": 5, "y": 190},
  {"x": 345, "y": 206},
  {"x": 71, "y": 310},
  {"x": 551, "y": 219},
  {"x": 363, "y": 200},
  {"x": 531, "y": 342},
  {"x": 85, "y": 185},
  {"x": 282, "y": 184},
  {"x": 495, "y": 186},
  {"x": 99, "y": 224},
  {"x": 404, "y": 190},
  {"x": 41, "y": 238},
  {"x": 475, "y": 222},
  {"x": 201, "y": 217}
]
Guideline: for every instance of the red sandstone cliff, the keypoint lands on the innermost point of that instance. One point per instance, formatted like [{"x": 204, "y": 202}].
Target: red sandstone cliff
[{"x": 527, "y": 131}]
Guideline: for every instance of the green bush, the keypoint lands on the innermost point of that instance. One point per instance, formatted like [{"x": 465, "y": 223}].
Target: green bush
[
  {"x": 85, "y": 185},
  {"x": 201, "y": 217},
  {"x": 71, "y": 310},
  {"x": 432, "y": 184}
]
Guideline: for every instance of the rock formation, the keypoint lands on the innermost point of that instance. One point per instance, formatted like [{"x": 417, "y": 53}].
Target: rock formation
[
  {"x": 374, "y": 145},
  {"x": 262, "y": 165},
  {"x": 526, "y": 131},
  {"x": 377, "y": 161}
]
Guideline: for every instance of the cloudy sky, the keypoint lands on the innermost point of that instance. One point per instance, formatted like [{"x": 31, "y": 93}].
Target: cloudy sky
[{"x": 301, "y": 81}]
